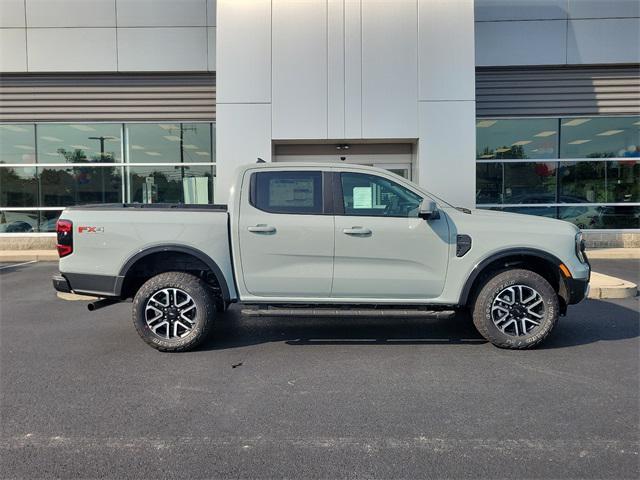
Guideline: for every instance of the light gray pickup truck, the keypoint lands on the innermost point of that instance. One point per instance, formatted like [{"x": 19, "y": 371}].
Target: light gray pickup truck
[{"x": 322, "y": 239}]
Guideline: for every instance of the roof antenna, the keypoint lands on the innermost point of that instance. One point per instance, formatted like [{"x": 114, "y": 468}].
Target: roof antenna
[{"x": 260, "y": 160}]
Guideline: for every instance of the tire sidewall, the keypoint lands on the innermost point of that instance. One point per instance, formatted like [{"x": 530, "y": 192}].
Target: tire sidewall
[
  {"x": 187, "y": 283},
  {"x": 496, "y": 285}
]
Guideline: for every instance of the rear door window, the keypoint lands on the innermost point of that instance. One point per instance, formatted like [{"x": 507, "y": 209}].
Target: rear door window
[{"x": 297, "y": 192}]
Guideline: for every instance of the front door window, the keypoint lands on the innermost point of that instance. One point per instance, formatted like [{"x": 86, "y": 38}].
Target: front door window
[{"x": 370, "y": 195}]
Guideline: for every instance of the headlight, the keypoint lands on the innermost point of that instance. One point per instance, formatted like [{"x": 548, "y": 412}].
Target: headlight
[{"x": 580, "y": 248}]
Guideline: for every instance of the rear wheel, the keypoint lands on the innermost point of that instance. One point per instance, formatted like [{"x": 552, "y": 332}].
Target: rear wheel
[
  {"x": 515, "y": 309},
  {"x": 173, "y": 311}
]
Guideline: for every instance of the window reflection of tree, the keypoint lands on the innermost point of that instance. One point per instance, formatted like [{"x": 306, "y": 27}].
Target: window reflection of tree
[
  {"x": 623, "y": 181},
  {"x": 584, "y": 181},
  {"x": 81, "y": 183},
  {"x": 515, "y": 152},
  {"x": 168, "y": 189},
  {"x": 530, "y": 182},
  {"x": 17, "y": 190}
]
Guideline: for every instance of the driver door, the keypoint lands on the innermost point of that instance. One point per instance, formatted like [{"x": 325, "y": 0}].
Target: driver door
[{"x": 382, "y": 248}]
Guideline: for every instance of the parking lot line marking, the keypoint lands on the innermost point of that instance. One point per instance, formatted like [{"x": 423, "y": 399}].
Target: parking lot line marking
[{"x": 18, "y": 264}]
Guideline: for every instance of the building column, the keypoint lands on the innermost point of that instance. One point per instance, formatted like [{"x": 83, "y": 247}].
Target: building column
[
  {"x": 243, "y": 110},
  {"x": 446, "y": 106}
]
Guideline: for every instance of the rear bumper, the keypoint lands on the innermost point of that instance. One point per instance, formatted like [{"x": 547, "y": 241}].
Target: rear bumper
[
  {"x": 84, "y": 284},
  {"x": 61, "y": 284}
]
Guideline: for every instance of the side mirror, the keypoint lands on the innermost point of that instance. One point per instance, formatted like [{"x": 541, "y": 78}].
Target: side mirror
[{"x": 428, "y": 210}]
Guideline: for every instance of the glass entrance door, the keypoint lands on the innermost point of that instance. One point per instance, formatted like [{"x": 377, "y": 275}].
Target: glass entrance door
[
  {"x": 395, "y": 157},
  {"x": 401, "y": 169}
]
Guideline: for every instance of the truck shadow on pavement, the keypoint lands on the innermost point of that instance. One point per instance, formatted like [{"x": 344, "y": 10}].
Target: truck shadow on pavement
[
  {"x": 594, "y": 321},
  {"x": 236, "y": 330},
  {"x": 589, "y": 322}
]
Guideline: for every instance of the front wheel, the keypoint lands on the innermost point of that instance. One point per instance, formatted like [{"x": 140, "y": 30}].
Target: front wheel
[
  {"x": 515, "y": 309},
  {"x": 173, "y": 312}
]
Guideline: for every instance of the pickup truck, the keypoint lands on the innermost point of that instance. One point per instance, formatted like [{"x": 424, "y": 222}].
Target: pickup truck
[{"x": 322, "y": 239}]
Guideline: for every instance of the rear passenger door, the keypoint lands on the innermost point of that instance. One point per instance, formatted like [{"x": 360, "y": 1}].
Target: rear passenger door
[{"x": 286, "y": 234}]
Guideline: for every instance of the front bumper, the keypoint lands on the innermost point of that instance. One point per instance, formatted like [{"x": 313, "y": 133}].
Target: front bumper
[{"x": 577, "y": 289}]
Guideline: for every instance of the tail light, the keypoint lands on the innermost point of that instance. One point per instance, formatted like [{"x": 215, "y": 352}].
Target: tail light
[{"x": 64, "y": 231}]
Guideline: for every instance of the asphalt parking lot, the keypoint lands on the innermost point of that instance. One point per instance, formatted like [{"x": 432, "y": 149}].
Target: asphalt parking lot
[{"x": 81, "y": 396}]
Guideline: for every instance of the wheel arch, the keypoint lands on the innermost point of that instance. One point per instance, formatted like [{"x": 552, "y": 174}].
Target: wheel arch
[
  {"x": 539, "y": 261},
  {"x": 205, "y": 259}
]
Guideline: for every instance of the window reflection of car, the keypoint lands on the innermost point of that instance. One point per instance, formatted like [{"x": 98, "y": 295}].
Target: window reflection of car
[
  {"x": 18, "y": 222},
  {"x": 18, "y": 226},
  {"x": 543, "y": 199},
  {"x": 532, "y": 198},
  {"x": 620, "y": 217},
  {"x": 48, "y": 225},
  {"x": 584, "y": 217}
]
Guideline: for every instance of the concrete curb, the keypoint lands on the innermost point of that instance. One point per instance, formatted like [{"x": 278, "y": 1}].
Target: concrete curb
[
  {"x": 28, "y": 255},
  {"x": 614, "y": 253},
  {"x": 604, "y": 286},
  {"x": 74, "y": 298}
]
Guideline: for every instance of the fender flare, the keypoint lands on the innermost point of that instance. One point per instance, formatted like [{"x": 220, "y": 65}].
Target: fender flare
[
  {"x": 480, "y": 266},
  {"x": 203, "y": 257}
]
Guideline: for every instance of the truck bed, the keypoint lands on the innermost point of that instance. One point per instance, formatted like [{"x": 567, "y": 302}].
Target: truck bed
[{"x": 108, "y": 239}]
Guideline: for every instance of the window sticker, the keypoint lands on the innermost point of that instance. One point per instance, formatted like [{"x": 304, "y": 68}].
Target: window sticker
[
  {"x": 362, "y": 197},
  {"x": 286, "y": 193}
]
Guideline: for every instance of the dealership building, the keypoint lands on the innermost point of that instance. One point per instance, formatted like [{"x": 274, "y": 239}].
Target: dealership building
[{"x": 529, "y": 106}]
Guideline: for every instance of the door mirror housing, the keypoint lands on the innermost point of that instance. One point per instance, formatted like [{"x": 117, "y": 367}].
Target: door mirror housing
[{"x": 428, "y": 210}]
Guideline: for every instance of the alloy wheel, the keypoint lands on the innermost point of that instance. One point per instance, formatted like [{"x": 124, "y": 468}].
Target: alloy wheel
[
  {"x": 170, "y": 313},
  {"x": 517, "y": 310}
]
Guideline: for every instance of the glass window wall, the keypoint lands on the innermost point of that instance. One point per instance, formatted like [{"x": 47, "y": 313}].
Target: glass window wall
[
  {"x": 17, "y": 144},
  {"x": 529, "y": 182},
  {"x": 171, "y": 184},
  {"x": 489, "y": 183},
  {"x": 46, "y": 167},
  {"x": 623, "y": 180},
  {"x": 23, "y": 221},
  {"x": 81, "y": 143},
  {"x": 170, "y": 143},
  {"x": 62, "y": 186},
  {"x": 18, "y": 187},
  {"x": 590, "y": 163},
  {"x": 600, "y": 137},
  {"x": 521, "y": 139},
  {"x": 582, "y": 182}
]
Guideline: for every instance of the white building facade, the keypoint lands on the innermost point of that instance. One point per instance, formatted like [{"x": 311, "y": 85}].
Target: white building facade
[
  {"x": 520, "y": 105},
  {"x": 349, "y": 72}
]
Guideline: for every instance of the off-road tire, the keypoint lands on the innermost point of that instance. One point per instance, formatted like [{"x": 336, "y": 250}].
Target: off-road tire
[
  {"x": 482, "y": 304},
  {"x": 204, "y": 316}
]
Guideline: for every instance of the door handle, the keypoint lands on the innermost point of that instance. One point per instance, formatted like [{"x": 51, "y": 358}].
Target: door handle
[
  {"x": 262, "y": 229},
  {"x": 356, "y": 231}
]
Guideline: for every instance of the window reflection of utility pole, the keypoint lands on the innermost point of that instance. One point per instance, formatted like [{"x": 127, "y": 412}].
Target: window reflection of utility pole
[
  {"x": 182, "y": 168},
  {"x": 102, "y": 139},
  {"x": 182, "y": 163}
]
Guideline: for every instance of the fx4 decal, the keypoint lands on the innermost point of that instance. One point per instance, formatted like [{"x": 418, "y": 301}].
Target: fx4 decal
[{"x": 86, "y": 229}]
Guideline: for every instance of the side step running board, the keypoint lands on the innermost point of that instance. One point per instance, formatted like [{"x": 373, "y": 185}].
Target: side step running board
[{"x": 339, "y": 312}]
